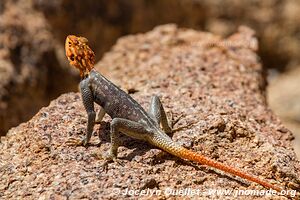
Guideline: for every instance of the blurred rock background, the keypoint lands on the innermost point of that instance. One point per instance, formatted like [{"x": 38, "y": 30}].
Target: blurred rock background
[{"x": 33, "y": 68}]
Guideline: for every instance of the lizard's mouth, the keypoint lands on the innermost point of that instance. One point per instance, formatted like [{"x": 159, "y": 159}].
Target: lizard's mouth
[{"x": 72, "y": 57}]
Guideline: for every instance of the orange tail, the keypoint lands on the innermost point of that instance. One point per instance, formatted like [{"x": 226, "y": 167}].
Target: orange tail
[
  {"x": 165, "y": 142},
  {"x": 193, "y": 156}
]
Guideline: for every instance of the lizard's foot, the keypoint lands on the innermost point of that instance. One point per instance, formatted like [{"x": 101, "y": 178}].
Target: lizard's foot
[
  {"x": 175, "y": 121},
  {"x": 76, "y": 142},
  {"x": 98, "y": 119},
  {"x": 108, "y": 158},
  {"x": 182, "y": 127}
]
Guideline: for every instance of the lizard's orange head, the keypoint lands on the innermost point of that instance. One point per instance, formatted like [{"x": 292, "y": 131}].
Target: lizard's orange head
[{"x": 80, "y": 54}]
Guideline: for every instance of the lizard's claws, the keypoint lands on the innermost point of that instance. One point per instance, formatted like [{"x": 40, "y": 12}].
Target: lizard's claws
[
  {"x": 76, "y": 142},
  {"x": 98, "y": 120},
  {"x": 175, "y": 121},
  {"x": 183, "y": 127},
  {"x": 108, "y": 158}
]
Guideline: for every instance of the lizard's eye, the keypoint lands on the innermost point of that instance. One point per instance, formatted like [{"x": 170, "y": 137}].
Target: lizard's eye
[{"x": 72, "y": 57}]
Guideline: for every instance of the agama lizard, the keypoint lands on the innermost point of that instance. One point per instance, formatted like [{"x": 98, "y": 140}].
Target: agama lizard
[{"x": 128, "y": 117}]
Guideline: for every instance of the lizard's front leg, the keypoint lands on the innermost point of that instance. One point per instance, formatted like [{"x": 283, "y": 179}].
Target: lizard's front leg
[
  {"x": 88, "y": 102},
  {"x": 100, "y": 115}
]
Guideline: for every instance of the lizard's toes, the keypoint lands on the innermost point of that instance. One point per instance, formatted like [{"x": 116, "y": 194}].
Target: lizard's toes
[
  {"x": 74, "y": 142},
  {"x": 111, "y": 160},
  {"x": 108, "y": 158},
  {"x": 98, "y": 156},
  {"x": 119, "y": 162},
  {"x": 105, "y": 166},
  {"x": 98, "y": 120},
  {"x": 175, "y": 121}
]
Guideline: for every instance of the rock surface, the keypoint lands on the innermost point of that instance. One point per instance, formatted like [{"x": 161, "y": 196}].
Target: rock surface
[{"x": 216, "y": 83}]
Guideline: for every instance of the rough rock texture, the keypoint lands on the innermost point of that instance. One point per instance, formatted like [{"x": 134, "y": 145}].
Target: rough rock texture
[
  {"x": 29, "y": 68},
  {"x": 214, "y": 82}
]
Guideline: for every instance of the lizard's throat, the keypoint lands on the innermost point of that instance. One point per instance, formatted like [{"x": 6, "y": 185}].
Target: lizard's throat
[{"x": 85, "y": 73}]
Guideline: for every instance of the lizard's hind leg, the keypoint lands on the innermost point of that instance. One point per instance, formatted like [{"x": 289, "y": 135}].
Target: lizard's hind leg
[
  {"x": 157, "y": 112},
  {"x": 130, "y": 128},
  {"x": 99, "y": 116}
]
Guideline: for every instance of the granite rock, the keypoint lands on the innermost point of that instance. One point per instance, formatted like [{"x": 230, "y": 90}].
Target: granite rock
[{"x": 215, "y": 83}]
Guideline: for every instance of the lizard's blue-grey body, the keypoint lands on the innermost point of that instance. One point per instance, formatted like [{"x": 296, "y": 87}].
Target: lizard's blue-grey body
[{"x": 115, "y": 101}]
